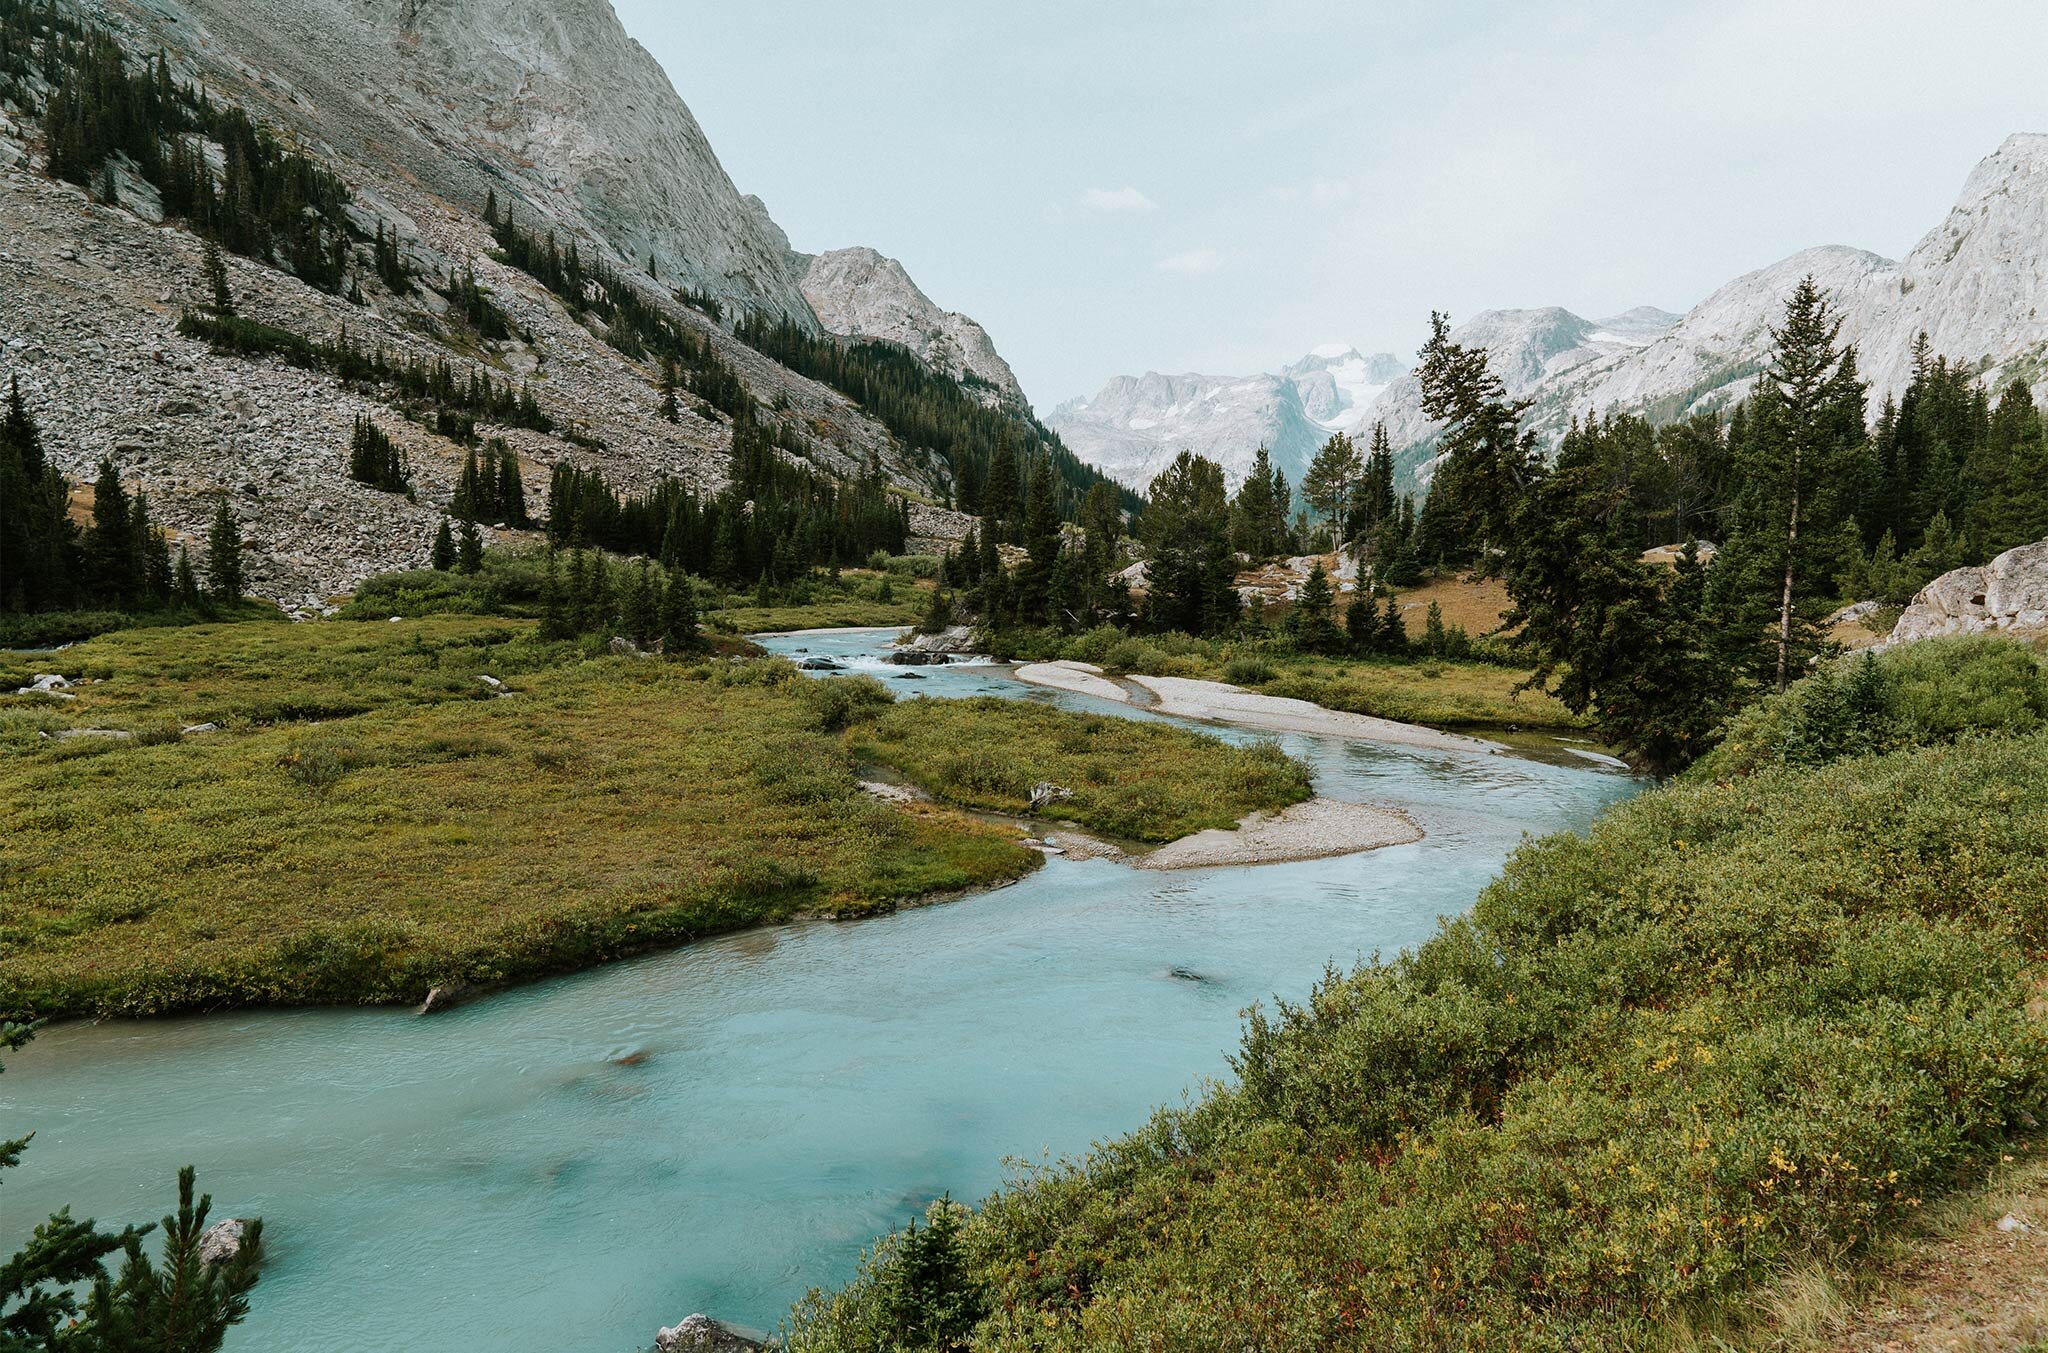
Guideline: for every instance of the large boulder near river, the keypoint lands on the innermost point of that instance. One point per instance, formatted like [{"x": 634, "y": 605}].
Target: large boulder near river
[
  {"x": 2009, "y": 594},
  {"x": 702, "y": 1334}
]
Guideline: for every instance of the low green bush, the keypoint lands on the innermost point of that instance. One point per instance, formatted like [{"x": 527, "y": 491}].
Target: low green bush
[
  {"x": 1918, "y": 694},
  {"x": 1740, "y": 1026}
]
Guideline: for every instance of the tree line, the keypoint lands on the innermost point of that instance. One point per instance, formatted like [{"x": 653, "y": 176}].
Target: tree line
[
  {"x": 774, "y": 521},
  {"x": 119, "y": 561},
  {"x": 987, "y": 445},
  {"x": 634, "y": 325}
]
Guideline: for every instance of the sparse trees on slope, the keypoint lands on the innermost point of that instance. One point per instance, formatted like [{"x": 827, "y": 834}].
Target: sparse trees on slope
[{"x": 224, "y": 581}]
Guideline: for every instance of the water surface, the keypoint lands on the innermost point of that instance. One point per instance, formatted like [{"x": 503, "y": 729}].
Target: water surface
[{"x": 572, "y": 1164}]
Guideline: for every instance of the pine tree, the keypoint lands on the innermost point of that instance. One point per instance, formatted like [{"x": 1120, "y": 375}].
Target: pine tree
[
  {"x": 641, "y": 617},
  {"x": 469, "y": 548},
  {"x": 1041, "y": 543},
  {"x": 1362, "y": 624},
  {"x": 491, "y": 208},
  {"x": 1434, "y": 640},
  {"x": 670, "y": 378},
  {"x": 444, "y": 548},
  {"x": 1310, "y": 620},
  {"x": 224, "y": 556},
  {"x": 1192, "y": 569},
  {"x": 1331, "y": 477},
  {"x": 36, "y": 534},
  {"x": 186, "y": 585},
  {"x": 679, "y": 614},
  {"x": 113, "y": 572},
  {"x": 222, "y": 300},
  {"x": 1807, "y": 427},
  {"x": 1486, "y": 460},
  {"x": 556, "y": 620}
]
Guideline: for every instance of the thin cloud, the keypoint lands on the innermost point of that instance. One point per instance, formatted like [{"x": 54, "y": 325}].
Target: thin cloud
[
  {"x": 1117, "y": 200},
  {"x": 1191, "y": 262}
]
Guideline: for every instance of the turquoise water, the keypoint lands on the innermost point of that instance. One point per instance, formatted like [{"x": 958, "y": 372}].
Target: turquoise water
[{"x": 572, "y": 1164}]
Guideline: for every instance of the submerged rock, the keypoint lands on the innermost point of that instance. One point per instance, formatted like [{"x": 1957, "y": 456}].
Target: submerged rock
[
  {"x": 821, "y": 664},
  {"x": 222, "y": 1241},
  {"x": 701, "y": 1334},
  {"x": 916, "y": 658}
]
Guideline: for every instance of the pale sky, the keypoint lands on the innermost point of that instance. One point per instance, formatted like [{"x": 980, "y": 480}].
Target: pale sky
[{"x": 1115, "y": 187}]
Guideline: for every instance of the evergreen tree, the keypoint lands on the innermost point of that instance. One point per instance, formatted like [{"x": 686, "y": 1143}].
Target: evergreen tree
[
  {"x": 670, "y": 378},
  {"x": 1434, "y": 639},
  {"x": 1310, "y": 621},
  {"x": 641, "y": 618},
  {"x": 224, "y": 556},
  {"x": 36, "y": 534},
  {"x": 1041, "y": 543},
  {"x": 679, "y": 614},
  {"x": 556, "y": 613},
  {"x": 153, "y": 553},
  {"x": 179, "y": 1304},
  {"x": 1486, "y": 460},
  {"x": 1806, "y": 436},
  {"x": 1393, "y": 629},
  {"x": 221, "y": 300},
  {"x": 491, "y": 208},
  {"x": 1186, "y": 528},
  {"x": 1258, "y": 518},
  {"x": 444, "y": 548},
  {"x": 928, "y": 1296},
  {"x": 469, "y": 547},
  {"x": 1331, "y": 478},
  {"x": 186, "y": 585},
  {"x": 1001, "y": 495},
  {"x": 1362, "y": 624},
  {"x": 113, "y": 570}
]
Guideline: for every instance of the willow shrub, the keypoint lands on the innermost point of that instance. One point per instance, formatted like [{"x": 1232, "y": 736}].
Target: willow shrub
[{"x": 1737, "y": 1026}]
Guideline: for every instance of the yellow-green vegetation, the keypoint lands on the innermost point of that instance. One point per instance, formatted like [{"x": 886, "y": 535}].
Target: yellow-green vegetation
[
  {"x": 1139, "y": 781},
  {"x": 384, "y": 807},
  {"x": 371, "y": 819},
  {"x": 840, "y": 613},
  {"x": 1748, "y": 1024},
  {"x": 1439, "y": 693}
]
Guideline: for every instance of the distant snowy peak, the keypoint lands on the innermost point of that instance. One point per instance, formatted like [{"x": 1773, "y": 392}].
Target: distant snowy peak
[
  {"x": 1338, "y": 385},
  {"x": 1976, "y": 285},
  {"x": 859, "y": 293},
  {"x": 1135, "y": 425}
]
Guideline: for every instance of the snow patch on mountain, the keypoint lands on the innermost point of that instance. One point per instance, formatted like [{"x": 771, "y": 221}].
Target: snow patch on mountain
[{"x": 1135, "y": 425}]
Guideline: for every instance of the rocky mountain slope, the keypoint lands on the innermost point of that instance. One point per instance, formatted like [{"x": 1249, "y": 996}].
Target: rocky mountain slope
[
  {"x": 1976, "y": 285},
  {"x": 424, "y": 109},
  {"x": 859, "y": 293},
  {"x": 1135, "y": 425}
]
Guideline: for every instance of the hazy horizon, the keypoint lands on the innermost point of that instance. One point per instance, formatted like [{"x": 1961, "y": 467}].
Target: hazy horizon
[{"x": 1111, "y": 190}]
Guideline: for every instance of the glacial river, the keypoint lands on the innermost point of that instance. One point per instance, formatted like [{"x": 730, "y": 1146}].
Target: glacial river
[{"x": 572, "y": 1164}]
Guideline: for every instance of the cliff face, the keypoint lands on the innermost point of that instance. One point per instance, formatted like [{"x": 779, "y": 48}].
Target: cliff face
[
  {"x": 552, "y": 105},
  {"x": 1134, "y": 426},
  {"x": 424, "y": 108},
  {"x": 859, "y": 293}
]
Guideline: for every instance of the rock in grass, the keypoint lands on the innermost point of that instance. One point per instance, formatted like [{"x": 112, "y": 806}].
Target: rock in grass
[
  {"x": 1045, "y": 794},
  {"x": 701, "y": 1334}
]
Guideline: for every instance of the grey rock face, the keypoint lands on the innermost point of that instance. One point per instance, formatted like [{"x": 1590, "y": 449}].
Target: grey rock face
[
  {"x": 2008, "y": 594},
  {"x": 860, "y": 294},
  {"x": 550, "y": 106},
  {"x": 702, "y": 1334},
  {"x": 222, "y": 1241},
  {"x": 1135, "y": 425},
  {"x": 550, "y": 102},
  {"x": 1976, "y": 285}
]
